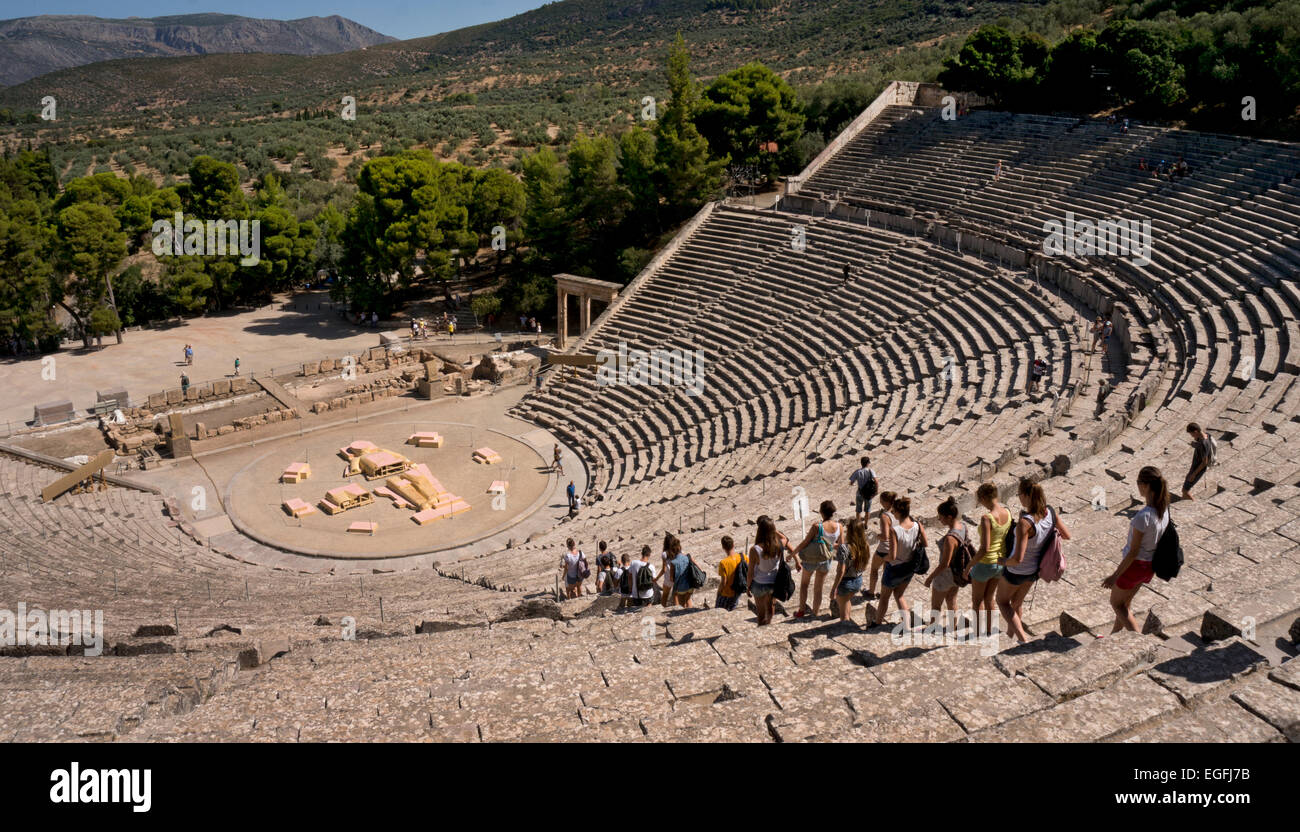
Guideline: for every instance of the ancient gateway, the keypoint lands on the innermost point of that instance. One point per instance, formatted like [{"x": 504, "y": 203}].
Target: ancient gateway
[{"x": 398, "y": 523}]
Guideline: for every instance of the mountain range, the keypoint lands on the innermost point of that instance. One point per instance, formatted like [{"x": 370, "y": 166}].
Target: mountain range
[
  {"x": 34, "y": 46},
  {"x": 619, "y": 43}
]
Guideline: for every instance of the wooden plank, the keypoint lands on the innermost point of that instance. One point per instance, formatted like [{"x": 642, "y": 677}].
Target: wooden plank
[
  {"x": 85, "y": 472},
  {"x": 277, "y": 392},
  {"x": 570, "y": 360}
]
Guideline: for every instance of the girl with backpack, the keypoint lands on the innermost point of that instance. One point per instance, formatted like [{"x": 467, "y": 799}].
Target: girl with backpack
[
  {"x": 679, "y": 573},
  {"x": 906, "y": 536},
  {"x": 942, "y": 583},
  {"x": 574, "y": 565},
  {"x": 817, "y": 552},
  {"x": 666, "y": 590},
  {"x": 853, "y": 556},
  {"x": 1030, "y": 535},
  {"x": 882, "y": 548},
  {"x": 765, "y": 557},
  {"x": 983, "y": 572},
  {"x": 1144, "y": 531}
]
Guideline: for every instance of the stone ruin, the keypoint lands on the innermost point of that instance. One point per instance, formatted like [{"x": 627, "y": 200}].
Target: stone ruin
[{"x": 508, "y": 367}]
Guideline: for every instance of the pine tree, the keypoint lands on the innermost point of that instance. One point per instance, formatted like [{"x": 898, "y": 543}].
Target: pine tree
[{"x": 688, "y": 176}]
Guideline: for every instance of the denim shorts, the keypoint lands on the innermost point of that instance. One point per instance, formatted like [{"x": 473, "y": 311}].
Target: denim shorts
[
  {"x": 1016, "y": 580},
  {"x": 724, "y": 602},
  {"x": 572, "y": 581},
  {"x": 897, "y": 574},
  {"x": 982, "y": 572},
  {"x": 849, "y": 586},
  {"x": 817, "y": 566},
  {"x": 761, "y": 590}
]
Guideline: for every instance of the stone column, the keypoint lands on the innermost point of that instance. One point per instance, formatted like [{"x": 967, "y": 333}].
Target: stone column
[
  {"x": 562, "y": 318},
  {"x": 584, "y": 317}
]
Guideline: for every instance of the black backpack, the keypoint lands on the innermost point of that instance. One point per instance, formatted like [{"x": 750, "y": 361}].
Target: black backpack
[
  {"x": 695, "y": 577},
  {"x": 783, "y": 589},
  {"x": 961, "y": 558},
  {"x": 645, "y": 579},
  {"x": 1009, "y": 542},
  {"x": 740, "y": 578},
  {"x": 1168, "y": 557},
  {"x": 625, "y": 582},
  {"x": 920, "y": 560},
  {"x": 868, "y": 489}
]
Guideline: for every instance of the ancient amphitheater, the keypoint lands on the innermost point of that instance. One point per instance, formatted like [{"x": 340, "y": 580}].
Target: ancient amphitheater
[{"x": 919, "y": 358}]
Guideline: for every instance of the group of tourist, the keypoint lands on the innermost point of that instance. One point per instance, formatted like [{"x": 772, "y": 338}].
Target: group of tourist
[
  {"x": 1000, "y": 560},
  {"x": 1101, "y": 331},
  {"x": 527, "y": 324},
  {"x": 1166, "y": 169}
]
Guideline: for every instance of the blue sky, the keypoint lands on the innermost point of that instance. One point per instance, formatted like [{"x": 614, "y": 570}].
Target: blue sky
[{"x": 399, "y": 18}]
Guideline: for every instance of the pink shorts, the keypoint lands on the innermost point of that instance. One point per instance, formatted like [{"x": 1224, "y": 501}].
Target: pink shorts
[{"x": 1139, "y": 572}]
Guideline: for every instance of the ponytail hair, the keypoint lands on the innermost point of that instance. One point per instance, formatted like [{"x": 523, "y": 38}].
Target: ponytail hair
[
  {"x": 948, "y": 508},
  {"x": 1151, "y": 477},
  {"x": 902, "y": 507},
  {"x": 987, "y": 493},
  {"x": 1037, "y": 498}
]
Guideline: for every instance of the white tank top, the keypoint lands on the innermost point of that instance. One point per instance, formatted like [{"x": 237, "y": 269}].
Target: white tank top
[
  {"x": 1034, "y": 547},
  {"x": 765, "y": 573},
  {"x": 906, "y": 541}
]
